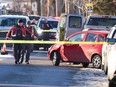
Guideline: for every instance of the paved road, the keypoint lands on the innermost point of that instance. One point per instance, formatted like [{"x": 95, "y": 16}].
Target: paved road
[{"x": 41, "y": 73}]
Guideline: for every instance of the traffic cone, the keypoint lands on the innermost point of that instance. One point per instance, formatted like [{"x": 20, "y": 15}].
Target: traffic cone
[
  {"x": 3, "y": 52},
  {"x": 4, "y": 47}
]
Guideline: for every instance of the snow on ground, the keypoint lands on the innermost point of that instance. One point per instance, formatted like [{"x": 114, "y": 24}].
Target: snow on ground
[{"x": 88, "y": 77}]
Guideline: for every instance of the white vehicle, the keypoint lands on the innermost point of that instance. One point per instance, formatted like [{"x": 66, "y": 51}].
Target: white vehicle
[
  {"x": 53, "y": 32},
  {"x": 108, "y": 57},
  {"x": 100, "y": 22},
  {"x": 70, "y": 24},
  {"x": 6, "y": 21},
  {"x": 53, "y": 29}
]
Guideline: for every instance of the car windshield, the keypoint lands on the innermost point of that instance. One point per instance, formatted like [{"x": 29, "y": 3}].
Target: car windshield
[
  {"x": 77, "y": 37},
  {"x": 34, "y": 17},
  {"x": 102, "y": 21},
  {"x": 10, "y": 21},
  {"x": 54, "y": 24},
  {"x": 75, "y": 22}
]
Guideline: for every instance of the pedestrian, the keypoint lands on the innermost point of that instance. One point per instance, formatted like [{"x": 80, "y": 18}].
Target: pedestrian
[
  {"x": 46, "y": 26},
  {"x": 17, "y": 32},
  {"x": 34, "y": 24},
  {"x": 30, "y": 35},
  {"x": 46, "y": 35}
]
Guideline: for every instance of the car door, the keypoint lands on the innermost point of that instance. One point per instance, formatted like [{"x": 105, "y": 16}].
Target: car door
[
  {"x": 71, "y": 52},
  {"x": 110, "y": 45},
  {"x": 89, "y": 49}
]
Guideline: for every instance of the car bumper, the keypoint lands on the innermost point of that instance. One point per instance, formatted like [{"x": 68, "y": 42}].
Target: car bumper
[{"x": 113, "y": 80}]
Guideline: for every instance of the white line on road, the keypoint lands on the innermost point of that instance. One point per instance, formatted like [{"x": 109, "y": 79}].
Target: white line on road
[
  {"x": 17, "y": 85},
  {"x": 4, "y": 57}
]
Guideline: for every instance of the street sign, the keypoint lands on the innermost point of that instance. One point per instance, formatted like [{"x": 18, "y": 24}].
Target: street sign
[{"x": 89, "y": 7}]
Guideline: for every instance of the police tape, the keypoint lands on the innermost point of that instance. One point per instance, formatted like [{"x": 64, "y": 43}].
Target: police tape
[
  {"x": 37, "y": 30},
  {"x": 47, "y": 30},
  {"x": 48, "y": 42},
  {"x": 4, "y": 31}
]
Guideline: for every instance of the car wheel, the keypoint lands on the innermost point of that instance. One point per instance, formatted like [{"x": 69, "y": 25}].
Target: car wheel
[
  {"x": 105, "y": 69},
  {"x": 55, "y": 58},
  {"x": 85, "y": 65},
  {"x": 96, "y": 61}
]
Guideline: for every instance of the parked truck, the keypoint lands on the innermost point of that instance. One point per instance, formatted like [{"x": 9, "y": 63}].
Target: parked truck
[{"x": 100, "y": 22}]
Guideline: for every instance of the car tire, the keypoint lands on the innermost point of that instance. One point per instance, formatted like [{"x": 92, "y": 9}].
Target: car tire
[
  {"x": 55, "y": 58},
  {"x": 105, "y": 69},
  {"x": 102, "y": 67},
  {"x": 96, "y": 61},
  {"x": 85, "y": 65}
]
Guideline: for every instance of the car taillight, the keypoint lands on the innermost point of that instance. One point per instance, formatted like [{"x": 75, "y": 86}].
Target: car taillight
[{"x": 54, "y": 36}]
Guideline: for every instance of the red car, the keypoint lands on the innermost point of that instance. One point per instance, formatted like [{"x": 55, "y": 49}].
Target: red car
[{"x": 79, "y": 53}]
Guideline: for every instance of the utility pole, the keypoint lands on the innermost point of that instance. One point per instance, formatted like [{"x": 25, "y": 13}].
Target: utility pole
[
  {"x": 56, "y": 13},
  {"x": 66, "y": 7},
  {"x": 39, "y": 7},
  {"x": 48, "y": 8},
  {"x": 42, "y": 7},
  {"x": 59, "y": 7}
]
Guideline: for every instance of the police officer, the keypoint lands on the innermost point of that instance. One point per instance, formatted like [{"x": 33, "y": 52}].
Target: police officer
[
  {"x": 46, "y": 26},
  {"x": 17, "y": 32},
  {"x": 33, "y": 22},
  {"x": 30, "y": 35},
  {"x": 46, "y": 35}
]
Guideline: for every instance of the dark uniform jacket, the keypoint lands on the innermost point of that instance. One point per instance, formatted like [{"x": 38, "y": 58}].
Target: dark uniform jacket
[{"x": 16, "y": 32}]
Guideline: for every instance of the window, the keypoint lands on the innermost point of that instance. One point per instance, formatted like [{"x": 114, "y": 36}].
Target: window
[
  {"x": 91, "y": 38},
  {"x": 75, "y": 22},
  {"x": 114, "y": 35},
  {"x": 34, "y": 17},
  {"x": 77, "y": 38},
  {"x": 101, "y": 38},
  {"x": 10, "y": 21},
  {"x": 54, "y": 24},
  {"x": 102, "y": 21}
]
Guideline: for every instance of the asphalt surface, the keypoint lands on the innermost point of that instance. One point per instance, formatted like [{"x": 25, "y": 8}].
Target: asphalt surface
[{"x": 41, "y": 73}]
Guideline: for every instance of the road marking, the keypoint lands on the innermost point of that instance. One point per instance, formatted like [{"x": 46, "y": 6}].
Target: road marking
[
  {"x": 6, "y": 57},
  {"x": 24, "y": 85}
]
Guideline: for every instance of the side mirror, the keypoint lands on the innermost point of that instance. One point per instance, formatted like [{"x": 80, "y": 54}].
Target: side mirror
[
  {"x": 108, "y": 29},
  {"x": 110, "y": 40}
]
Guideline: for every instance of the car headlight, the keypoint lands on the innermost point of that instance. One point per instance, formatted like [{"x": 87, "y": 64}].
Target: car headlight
[{"x": 39, "y": 32}]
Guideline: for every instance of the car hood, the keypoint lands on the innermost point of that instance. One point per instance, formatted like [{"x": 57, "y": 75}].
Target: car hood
[
  {"x": 4, "y": 27},
  {"x": 105, "y": 28},
  {"x": 55, "y": 46}
]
